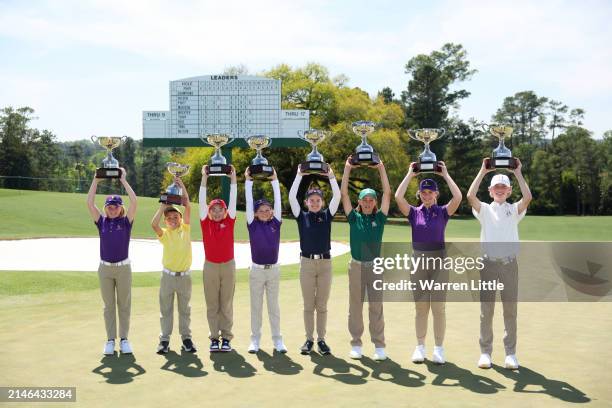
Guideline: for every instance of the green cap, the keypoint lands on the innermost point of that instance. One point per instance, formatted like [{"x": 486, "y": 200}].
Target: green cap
[{"x": 367, "y": 192}]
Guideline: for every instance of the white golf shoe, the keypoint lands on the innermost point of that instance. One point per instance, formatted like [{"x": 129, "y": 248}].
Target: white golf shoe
[
  {"x": 355, "y": 353},
  {"x": 438, "y": 355},
  {"x": 125, "y": 347},
  {"x": 419, "y": 354},
  {"x": 280, "y": 346},
  {"x": 253, "y": 347},
  {"x": 484, "y": 361},
  {"x": 109, "y": 348},
  {"x": 511, "y": 363},
  {"x": 379, "y": 354}
]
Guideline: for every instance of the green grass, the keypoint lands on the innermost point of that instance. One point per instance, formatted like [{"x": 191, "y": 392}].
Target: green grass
[{"x": 28, "y": 214}]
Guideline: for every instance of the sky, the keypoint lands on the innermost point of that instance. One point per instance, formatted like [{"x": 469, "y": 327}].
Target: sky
[{"x": 92, "y": 66}]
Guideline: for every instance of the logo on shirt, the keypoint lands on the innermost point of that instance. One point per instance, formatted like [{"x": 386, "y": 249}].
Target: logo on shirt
[
  {"x": 221, "y": 225},
  {"x": 374, "y": 224}
]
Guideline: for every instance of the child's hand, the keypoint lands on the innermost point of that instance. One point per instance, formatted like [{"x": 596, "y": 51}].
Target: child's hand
[
  {"x": 205, "y": 172},
  {"x": 274, "y": 176},
  {"x": 122, "y": 178},
  {"x": 247, "y": 174}
]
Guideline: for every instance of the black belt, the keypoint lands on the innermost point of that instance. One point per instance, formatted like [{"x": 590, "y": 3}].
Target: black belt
[{"x": 316, "y": 256}]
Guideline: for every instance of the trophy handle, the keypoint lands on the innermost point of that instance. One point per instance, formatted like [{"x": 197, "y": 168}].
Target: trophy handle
[
  {"x": 485, "y": 127},
  {"x": 412, "y": 134},
  {"x": 124, "y": 138},
  {"x": 442, "y": 133},
  {"x": 94, "y": 139}
]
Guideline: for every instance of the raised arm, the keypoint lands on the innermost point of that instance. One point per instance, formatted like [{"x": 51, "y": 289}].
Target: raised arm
[
  {"x": 293, "y": 201},
  {"x": 335, "y": 201},
  {"x": 231, "y": 207},
  {"x": 156, "y": 219},
  {"x": 346, "y": 199},
  {"x": 385, "y": 202},
  {"x": 278, "y": 203},
  {"x": 248, "y": 195},
  {"x": 454, "y": 203},
  {"x": 202, "y": 195},
  {"x": 131, "y": 212},
  {"x": 91, "y": 201},
  {"x": 473, "y": 191},
  {"x": 400, "y": 193},
  {"x": 185, "y": 201},
  {"x": 525, "y": 191}
]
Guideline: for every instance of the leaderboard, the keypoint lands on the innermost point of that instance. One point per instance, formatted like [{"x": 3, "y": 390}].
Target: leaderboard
[{"x": 240, "y": 105}]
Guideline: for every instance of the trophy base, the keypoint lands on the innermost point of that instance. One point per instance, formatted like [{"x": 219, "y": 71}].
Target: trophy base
[
  {"x": 314, "y": 167},
  {"x": 261, "y": 171},
  {"x": 108, "y": 172},
  {"x": 219, "y": 169},
  {"x": 501, "y": 163},
  {"x": 171, "y": 199},
  {"x": 427, "y": 167},
  {"x": 364, "y": 159}
]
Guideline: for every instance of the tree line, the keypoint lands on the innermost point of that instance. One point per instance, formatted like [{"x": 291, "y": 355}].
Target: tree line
[{"x": 568, "y": 170}]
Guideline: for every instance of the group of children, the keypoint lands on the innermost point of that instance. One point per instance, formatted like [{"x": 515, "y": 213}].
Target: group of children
[{"x": 499, "y": 223}]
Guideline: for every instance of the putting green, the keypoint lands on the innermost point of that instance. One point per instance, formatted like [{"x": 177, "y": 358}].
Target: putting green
[{"x": 56, "y": 339}]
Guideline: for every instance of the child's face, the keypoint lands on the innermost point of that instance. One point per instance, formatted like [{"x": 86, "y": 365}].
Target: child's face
[
  {"x": 314, "y": 203},
  {"x": 367, "y": 204},
  {"x": 112, "y": 210},
  {"x": 217, "y": 212},
  {"x": 173, "y": 219},
  {"x": 264, "y": 213},
  {"x": 500, "y": 192},
  {"x": 428, "y": 197}
]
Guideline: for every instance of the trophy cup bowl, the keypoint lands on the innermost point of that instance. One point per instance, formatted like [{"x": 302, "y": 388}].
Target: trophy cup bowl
[
  {"x": 364, "y": 153},
  {"x": 427, "y": 159},
  {"x": 314, "y": 164},
  {"x": 502, "y": 156},
  {"x": 174, "y": 194},
  {"x": 217, "y": 166},
  {"x": 260, "y": 169},
  {"x": 110, "y": 166}
]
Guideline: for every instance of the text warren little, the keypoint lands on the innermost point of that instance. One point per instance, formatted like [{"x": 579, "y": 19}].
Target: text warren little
[{"x": 427, "y": 284}]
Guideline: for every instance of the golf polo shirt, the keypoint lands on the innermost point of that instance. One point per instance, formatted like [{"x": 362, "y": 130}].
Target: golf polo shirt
[
  {"x": 218, "y": 237},
  {"x": 177, "y": 248},
  {"x": 265, "y": 241},
  {"x": 114, "y": 238},
  {"x": 315, "y": 231},
  {"x": 428, "y": 226},
  {"x": 499, "y": 224},
  {"x": 366, "y": 232}
]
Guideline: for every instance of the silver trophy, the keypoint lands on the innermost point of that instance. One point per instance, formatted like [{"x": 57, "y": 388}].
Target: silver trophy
[
  {"x": 174, "y": 193},
  {"x": 217, "y": 166},
  {"x": 314, "y": 164},
  {"x": 110, "y": 165},
  {"x": 427, "y": 159},
  {"x": 502, "y": 156},
  {"x": 260, "y": 169},
  {"x": 364, "y": 153}
]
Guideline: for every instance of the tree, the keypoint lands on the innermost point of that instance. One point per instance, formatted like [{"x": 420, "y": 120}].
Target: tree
[
  {"x": 14, "y": 138},
  {"x": 526, "y": 113},
  {"x": 386, "y": 94},
  {"x": 557, "y": 116},
  {"x": 428, "y": 97}
]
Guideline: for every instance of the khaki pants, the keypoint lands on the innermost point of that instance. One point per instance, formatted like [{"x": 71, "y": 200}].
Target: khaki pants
[
  {"x": 508, "y": 275},
  {"x": 265, "y": 280},
  {"x": 219, "y": 284},
  {"x": 168, "y": 287},
  {"x": 360, "y": 281},
  {"x": 315, "y": 280},
  {"x": 424, "y": 299},
  {"x": 116, "y": 289}
]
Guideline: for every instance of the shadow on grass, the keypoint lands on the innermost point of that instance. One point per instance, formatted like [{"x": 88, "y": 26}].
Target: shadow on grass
[
  {"x": 279, "y": 363},
  {"x": 389, "y": 370},
  {"x": 186, "y": 364},
  {"x": 119, "y": 368},
  {"x": 338, "y": 369},
  {"x": 233, "y": 364},
  {"x": 450, "y": 375},
  {"x": 523, "y": 377}
]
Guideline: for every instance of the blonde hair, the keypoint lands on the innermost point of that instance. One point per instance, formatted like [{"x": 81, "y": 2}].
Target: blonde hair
[{"x": 121, "y": 214}]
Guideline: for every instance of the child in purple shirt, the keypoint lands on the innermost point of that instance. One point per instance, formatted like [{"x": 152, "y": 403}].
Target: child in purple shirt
[
  {"x": 428, "y": 222},
  {"x": 115, "y": 274},
  {"x": 264, "y": 235}
]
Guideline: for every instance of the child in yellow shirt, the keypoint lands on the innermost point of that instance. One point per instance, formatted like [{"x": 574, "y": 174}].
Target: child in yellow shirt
[{"x": 176, "y": 275}]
